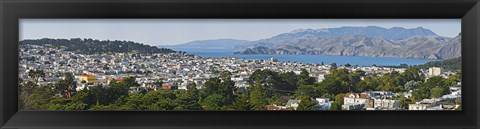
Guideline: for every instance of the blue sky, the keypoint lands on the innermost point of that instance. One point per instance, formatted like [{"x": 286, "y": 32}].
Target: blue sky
[{"x": 175, "y": 31}]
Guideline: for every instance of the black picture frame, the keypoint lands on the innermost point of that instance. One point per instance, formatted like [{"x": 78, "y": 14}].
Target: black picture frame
[{"x": 13, "y": 10}]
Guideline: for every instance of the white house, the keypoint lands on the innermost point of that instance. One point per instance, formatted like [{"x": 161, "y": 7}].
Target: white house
[
  {"x": 323, "y": 103},
  {"x": 386, "y": 103},
  {"x": 292, "y": 103},
  {"x": 418, "y": 106},
  {"x": 355, "y": 98}
]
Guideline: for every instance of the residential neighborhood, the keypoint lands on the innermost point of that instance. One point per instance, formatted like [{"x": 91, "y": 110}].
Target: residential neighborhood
[{"x": 181, "y": 71}]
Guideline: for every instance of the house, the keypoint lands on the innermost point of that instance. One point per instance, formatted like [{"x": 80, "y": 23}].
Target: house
[
  {"x": 353, "y": 106},
  {"x": 275, "y": 107},
  {"x": 323, "y": 103},
  {"x": 381, "y": 94},
  {"x": 320, "y": 77},
  {"x": 87, "y": 78},
  {"x": 169, "y": 87},
  {"x": 355, "y": 98},
  {"x": 292, "y": 103},
  {"x": 386, "y": 103},
  {"x": 418, "y": 106},
  {"x": 81, "y": 86},
  {"x": 136, "y": 89}
]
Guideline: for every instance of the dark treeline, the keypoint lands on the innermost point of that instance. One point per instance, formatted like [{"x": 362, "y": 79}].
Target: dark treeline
[
  {"x": 453, "y": 64},
  {"x": 92, "y": 46},
  {"x": 219, "y": 93}
]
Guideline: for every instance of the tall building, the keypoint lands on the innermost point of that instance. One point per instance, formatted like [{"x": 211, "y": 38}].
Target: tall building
[{"x": 434, "y": 71}]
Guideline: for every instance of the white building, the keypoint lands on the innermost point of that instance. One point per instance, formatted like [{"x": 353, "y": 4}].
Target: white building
[
  {"x": 434, "y": 71},
  {"x": 320, "y": 77},
  {"x": 323, "y": 103},
  {"x": 355, "y": 98},
  {"x": 418, "y": 106},
  {"x": 292, "y": 103},
  {"x": 386, "y": 103}
]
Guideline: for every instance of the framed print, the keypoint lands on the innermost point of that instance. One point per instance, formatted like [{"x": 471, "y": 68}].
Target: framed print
[{"x": 239, "y": 64}]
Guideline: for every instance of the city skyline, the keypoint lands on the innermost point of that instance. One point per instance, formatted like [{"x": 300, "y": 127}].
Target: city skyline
[{"x": 177, "y": 31}]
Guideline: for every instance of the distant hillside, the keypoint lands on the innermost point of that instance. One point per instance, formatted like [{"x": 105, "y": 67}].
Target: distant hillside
[
  {"x": 453, "y": 48},
  {"x": 217, "y": 44},
  {"x": 91, "y": 46},
  {"x": 454, "y": 64},
  {"x": 359, "y": 41},
  {"x": 394, "y": 33}
]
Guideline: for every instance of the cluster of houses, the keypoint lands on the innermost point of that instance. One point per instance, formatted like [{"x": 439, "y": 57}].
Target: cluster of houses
[
  {"x": 174, "y": 69},
  {"x": 178, "y": 71},
  {"x": 380, "y": 100},
  {"x": 373, "y": 100},
  {"x": 446, "y": 102}
]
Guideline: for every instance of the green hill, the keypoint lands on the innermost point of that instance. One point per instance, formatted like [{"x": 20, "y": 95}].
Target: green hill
[
  {"x": 92, "y": 46},
  {"x": 453, "y": 64}
]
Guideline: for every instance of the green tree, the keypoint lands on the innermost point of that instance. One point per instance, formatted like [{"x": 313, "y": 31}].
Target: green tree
[
  {"x": 241, "y": 103},
  {"x": 437, "y": 92},
  {"x": 257, "y": 97},
  {"x": 411, "y": 74},
  {"x": 354, "y": 80},
  {"x": 102, "y": 107},
  {"x": 186, "y": 102},
  {"x": 137, "y": 101},
  {"x": 435, "y": 81},
  {"x": 98, "y": 94},
  {"x": 270, "y": 81},
  {"x": 193, "y": 92},
  {"x": 367, "y": 84},
  {"x": 36, "y": 74},
  {"x": 130, "y": 82},
  {"x": 453, "y": 79},
  {"x": 336, "y": 106},
  {"x": 421, "y": 93},
  {"x": 334, "y": 85},
  {"x": 403, "y": 101},
  {"x": 306, "y": 103},
  {"x": 40, "y": 97},
  {"x": 158, "y": 83},
  {"x": 290, "y": 81},
  {"x": 156, "y": 100},
  {"x": 389, "y": 81},
  {"x": 347, "y": 65},
  {"x": 306, "y": 90},
  {"x": 65, "y": 85},
  {"x": 25, "y": 91},
  {"x": 411, "y": 85},
  {"x": 227, "y": 88},
  {"x": 211, "y": 86},
  {"x": 333, "y": 66},
  {"x": 304, "y": 78},
  {"x": 339, "y": 98},
  {"x": 225, "y": 75},
  {"x": 214, "y": 102}
]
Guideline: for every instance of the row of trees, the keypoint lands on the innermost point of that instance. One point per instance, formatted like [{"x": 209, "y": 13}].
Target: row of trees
[{"x": 453, "y": 64}]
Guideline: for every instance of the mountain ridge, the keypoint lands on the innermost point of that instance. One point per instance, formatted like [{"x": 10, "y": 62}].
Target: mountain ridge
[
  {"x": 359, "y": 41},
  {"x": 425, "y": 47},
  {"x": 228, "y": 44}
]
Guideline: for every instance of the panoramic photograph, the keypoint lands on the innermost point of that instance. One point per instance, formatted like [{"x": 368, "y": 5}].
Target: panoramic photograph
[{"x": 240, "y": 64}]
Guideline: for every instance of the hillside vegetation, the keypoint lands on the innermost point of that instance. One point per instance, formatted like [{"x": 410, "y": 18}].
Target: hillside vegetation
[{"x": 91, "y": 46}]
